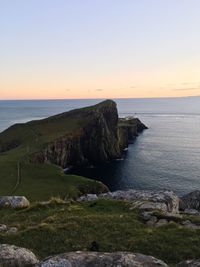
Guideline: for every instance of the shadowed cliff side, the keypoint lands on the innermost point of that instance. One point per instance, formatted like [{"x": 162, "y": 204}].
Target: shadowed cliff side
[{"x": 94, "y": 140}]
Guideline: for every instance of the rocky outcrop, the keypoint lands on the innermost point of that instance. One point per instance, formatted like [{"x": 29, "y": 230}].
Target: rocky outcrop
[
  {"x": 12, "y": 256},
  {"x": 157, "y": 219},
  {"x": 100, "y": 137},
  {"x": 189, "y": 263},
  {"x": 166, "y": 201},
  {"x": 190, "y": 201},
  {"x": 128, "y": 130},
  {"x": 188, "y": 224},
  {"x": 86, "y": 259},
  {"x": 19, "y": 202}
]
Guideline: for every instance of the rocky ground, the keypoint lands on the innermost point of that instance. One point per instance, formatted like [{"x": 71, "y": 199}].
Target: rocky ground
[
  {"x": 158, "y": 208},
  {"x": 12, "y": 256},
  {"x": 163, "y": 211}
]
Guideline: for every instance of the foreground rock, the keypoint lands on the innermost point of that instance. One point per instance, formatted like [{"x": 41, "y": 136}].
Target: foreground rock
[
  {"x": 166, "y": 201},
  {"x": 12, "y": 256},
  {"x": 8, "y": 230},
  {"x": 189, "y": 263},
  {"x": 94, "y": 259},
  {"x": 190, "y": 201},
  {"x": 19, "y": 202}
]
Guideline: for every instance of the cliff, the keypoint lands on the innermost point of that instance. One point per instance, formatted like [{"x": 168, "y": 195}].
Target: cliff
[
  {"x": 83, "y": 136},
  {"x": 128, "y": 130},
  {"x": 102, "y": 137}
]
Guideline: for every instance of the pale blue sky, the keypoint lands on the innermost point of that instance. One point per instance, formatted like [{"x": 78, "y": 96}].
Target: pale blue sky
[{"x": 99, "y": 48}]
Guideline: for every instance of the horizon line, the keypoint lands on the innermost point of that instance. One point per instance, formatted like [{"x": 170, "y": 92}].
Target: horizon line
[{"x": 93, "y": 98}]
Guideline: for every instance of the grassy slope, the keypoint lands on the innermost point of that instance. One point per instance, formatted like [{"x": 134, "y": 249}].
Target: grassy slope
[
  {"x": 56, "y": 228},
  {"x": 42, "y": 181},
  {"x": 39, "y": 182}
]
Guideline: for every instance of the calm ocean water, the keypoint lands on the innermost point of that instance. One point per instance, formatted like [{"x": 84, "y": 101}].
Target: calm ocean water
[{"x": 167, "y": 155}]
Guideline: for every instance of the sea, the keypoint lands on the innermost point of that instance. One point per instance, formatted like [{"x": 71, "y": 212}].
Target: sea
[{"x": 166, "y": 156}]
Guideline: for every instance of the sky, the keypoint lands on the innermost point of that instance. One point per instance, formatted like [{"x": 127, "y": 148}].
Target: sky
[{"x": 99, "y": 48}]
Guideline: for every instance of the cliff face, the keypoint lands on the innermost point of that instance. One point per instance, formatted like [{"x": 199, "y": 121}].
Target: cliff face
[
  {"x": 102, "y": 138},
  {"x": 128, "y": 130}
]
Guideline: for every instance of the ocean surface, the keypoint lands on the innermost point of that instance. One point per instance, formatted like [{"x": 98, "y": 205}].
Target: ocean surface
[{"x": 166, "y": 156}]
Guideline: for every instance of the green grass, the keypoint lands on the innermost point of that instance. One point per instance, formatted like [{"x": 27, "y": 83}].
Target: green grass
[
  {"x": 57, "y": 228},
  {"x": 43, "y": 181}
]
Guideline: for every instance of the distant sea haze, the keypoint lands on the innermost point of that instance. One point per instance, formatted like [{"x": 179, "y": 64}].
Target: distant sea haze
[{"x": 167, "y": 155}]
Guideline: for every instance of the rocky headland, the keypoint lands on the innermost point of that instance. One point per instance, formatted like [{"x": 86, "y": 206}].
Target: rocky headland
[
  {"x": 102, "y": 137},
  {"x": 35, "y": 152},
  {"x": 84, "y": 136}
]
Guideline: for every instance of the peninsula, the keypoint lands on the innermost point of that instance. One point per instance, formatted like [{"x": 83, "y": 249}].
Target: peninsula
[{"x": 34, "y": 154}]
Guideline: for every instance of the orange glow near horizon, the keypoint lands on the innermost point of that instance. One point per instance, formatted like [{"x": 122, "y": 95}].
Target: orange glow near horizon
[
  {"x": 127, "y": 85},
  {"x": 88, "y": 92}
]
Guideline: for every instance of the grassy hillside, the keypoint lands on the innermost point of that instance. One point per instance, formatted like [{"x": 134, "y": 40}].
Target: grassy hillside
[
  {"x": 40, "y": 181},
  {"x": 55, "y": 228}
]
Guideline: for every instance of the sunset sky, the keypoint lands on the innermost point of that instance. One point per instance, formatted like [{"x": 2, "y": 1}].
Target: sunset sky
[{"x": 99, "y": 48}]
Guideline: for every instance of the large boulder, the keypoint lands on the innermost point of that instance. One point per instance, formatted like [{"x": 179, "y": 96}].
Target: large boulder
[
  {"x": 99, "y": 259},
  {"x": 14, "y": 202},
  {"x": 190, "y": 201},
  {"x": 165, "y": 200},
  {"x": 88, "y": 197},
  {"x": 189, "y": 263},
  {"x": 12, "y": 256}
]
